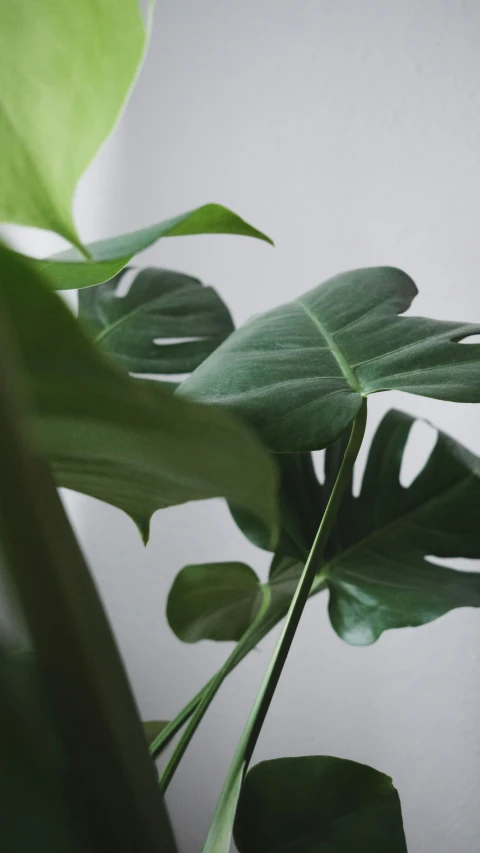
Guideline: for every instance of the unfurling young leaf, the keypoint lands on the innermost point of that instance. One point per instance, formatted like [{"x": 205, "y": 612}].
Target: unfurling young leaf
[
  {"x": 299, "y": 373},
  {"x": 166, "y": 323},
  {"x": 318, "y": 804},
  {"x": 109, "y": 436}
]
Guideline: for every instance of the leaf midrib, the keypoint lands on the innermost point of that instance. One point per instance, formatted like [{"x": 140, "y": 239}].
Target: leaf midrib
[{"x": 336, "y": 351}]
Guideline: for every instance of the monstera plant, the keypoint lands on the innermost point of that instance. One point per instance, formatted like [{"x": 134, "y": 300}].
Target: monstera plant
[{"x": 79, "y": 408}]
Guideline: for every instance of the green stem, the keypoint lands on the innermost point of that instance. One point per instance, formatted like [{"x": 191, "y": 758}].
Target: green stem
[
  {"x": 209, "y": 693},
  {"x": 244, "y": 646},
  {"x": 218, "y": 839}
]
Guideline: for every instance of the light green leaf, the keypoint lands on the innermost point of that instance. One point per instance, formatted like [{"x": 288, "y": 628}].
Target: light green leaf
[
  {"x": 298, "y": 373},
  {"x": 166, "y": 323},
  {"x": 120, "y": 440},
  {"x": 380, "y": 577},
  {"x": 152, "y": 729},
  {"x": 103, "y": 769},
  {"x": 318, "y": 804},
  {"x": 69, "y": 270},
  {"x": 65, "y": 73}
]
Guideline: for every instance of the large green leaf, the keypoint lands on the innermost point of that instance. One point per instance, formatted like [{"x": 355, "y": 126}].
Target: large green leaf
[
  {"x": 376, "y": 565},
  {"x": 112, "y": 437},
  {"x": 152, "y": 729},
  {"x": 380, "y": 577},
  {"x": 65, "y": 73},
  {"x": 70, "y": 271},
  {"x": 302, "y": 501},
  {"x": 298, "y": 373},
  {"x": 166, "y": 323},
  {"x": 318, "y": 804},
  {"x": 32, "y": 765},
  {"x": 103, "y": 772}
]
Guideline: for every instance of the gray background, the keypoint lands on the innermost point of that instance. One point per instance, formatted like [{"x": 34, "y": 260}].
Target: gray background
[{"x": 349, "y": 132}]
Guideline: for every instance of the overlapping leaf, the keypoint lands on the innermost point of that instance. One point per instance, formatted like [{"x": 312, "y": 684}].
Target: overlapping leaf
[
  {"x": 318, "y": 804},
  {"x": 380, "y": 577},
  {"x": 299, "y": 372},
  {"x": 64, "y": 76},
  {"x": 110, "y": 436},
  {"x": 380, "y": 563},
  {"x": 70, "y": 271},
  {"x": 101, "y": 773},
  {"x": 166, "y": 323}
]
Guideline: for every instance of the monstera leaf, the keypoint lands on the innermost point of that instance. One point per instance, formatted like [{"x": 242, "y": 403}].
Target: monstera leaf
[
  {"x": 65, "y": 73},
  {"x": 380, "y": 565},
  {"x": 299, "y": 372},
  {"x": 380, "y": 578},
  {"x": 109, "y": 436},
  {"x": 318, "y": 804},
  {"x": 166, "y": 323},
  {"x": 69, "y": 270}
]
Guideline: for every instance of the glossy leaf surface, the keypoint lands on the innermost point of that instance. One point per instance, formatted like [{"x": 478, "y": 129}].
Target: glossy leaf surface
[
  {"x": 298, "y": 373},
  {"x": 125, "y": 442},
  {"x": 69, "y": 270},
  {"x": 64, "y": 76},
  {"x": 166, "y": 323},
  {"x": 376, "y": 565},
  {"x": 215, "y": 601},
  {"x": 218, "y": 601},
  {"x": 318, "y": 804},
  {"x": 380, "y": 577}
]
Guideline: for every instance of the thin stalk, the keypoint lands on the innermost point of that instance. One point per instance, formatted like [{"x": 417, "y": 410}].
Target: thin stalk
[
  {"x": 209, "y": 693},
  {"x": 219, "y": 836},
  {"x": 244, "y": 646}
]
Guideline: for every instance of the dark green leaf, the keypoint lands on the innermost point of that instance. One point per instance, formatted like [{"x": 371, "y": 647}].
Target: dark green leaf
[
  {"x": 218, "y": 601},
  {"x": 166, "y": 323},
  {"x": 125, "y": 442},
  {"x": 298, "y": 373},
  {"x": 376, "y": 567},
  {"x": 110, "y": 785},
  {"x": 69, "y": 270},
  {"x": 152, "y": 729},
  {"x": 318, "y": 804},
  {"x": 214, "y": 601},
  {"x": 379, "y": 578},
  {"x": 33, "y": 765},
  {"x": 64, "y": 76},
  {"x": 302, "y": 501}
]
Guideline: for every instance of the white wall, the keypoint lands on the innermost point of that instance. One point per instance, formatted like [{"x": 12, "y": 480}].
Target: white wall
[{"x": 350, "y": 132}]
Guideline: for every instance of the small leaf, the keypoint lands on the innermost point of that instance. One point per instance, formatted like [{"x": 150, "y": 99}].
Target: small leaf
[
  {"x": 166, "y": 323},
  {"x": 214, "y": 601},
  {"x": 218, "y": 601},
  {"x": 124, "y": 441},
  {"x": 152, "y": 729},
  {"x": 69, "y": 270},
  {"x": 64, "y": 76},
  {"x": 318, "y": 804},
  {"x": 380, "y": 577},
  {"x": 299, "y": 373}
]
